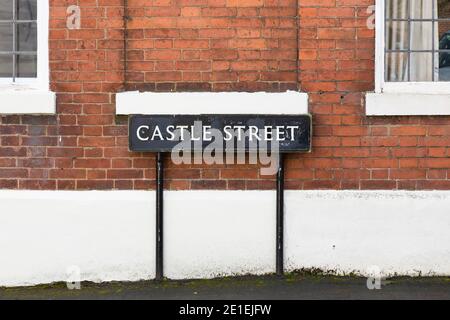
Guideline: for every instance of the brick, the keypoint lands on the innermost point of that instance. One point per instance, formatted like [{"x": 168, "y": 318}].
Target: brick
[{"x": 218, "y": 45}]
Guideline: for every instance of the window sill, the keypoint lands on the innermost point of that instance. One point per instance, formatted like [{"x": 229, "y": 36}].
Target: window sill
[
  {"x": 27, "y": 101},
  {"x": 168, "y": 103},
  {"x": 407, "y": 104}
]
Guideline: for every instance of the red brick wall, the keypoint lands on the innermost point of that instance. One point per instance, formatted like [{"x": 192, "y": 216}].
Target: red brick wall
[
  {"x": 220, "y": 45},
  {"x": 204, "y": 45}
]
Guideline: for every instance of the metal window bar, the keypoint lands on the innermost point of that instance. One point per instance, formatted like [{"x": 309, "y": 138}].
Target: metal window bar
[
  {"x": 14, "y": 71},
  {"x": 434, "y": 19},
  {"x": 433, "y": 42},
  {"x": 418, "y": 51},
  {"x": 386, "y": 70},
  {"x": 420, "y": 20},
  {"x": 15, "y": 52},
  {"x": 4, "y": 21},
  {"x": 409, "y": 39}
]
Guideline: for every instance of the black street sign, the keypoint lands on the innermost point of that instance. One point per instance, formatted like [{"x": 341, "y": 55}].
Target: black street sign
[{"x": 241, "y": 133}]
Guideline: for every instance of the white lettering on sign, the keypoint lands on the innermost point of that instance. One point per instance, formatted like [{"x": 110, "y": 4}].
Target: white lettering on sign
[
  {"x": 141, "y": 129},
  {"x": 199, "y": 133}
]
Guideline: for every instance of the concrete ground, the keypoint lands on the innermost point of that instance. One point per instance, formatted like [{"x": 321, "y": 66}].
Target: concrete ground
[{"x": 291, "y": 287}]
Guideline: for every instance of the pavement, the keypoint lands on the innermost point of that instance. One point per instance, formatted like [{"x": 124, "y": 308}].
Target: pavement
[{"x": 290, "y": 287}]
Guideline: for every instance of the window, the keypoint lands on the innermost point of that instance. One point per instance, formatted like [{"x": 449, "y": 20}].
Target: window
[
  {"x": 416, "y": 41},
  {"x": 18, "y": 39},
  {"x": 24, "y": 72},
  {"x": 24, "y": 43},
  {"x": 412, "y": 58}
]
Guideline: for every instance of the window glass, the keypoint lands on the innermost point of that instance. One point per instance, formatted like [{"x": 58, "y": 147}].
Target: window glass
[
  {"x": 417, "y": 47},
  {"x": 6, "y": 9},
  {"x": 26, "y": 36},
  {"x": 26, "y": 10},
  {"x": 26, "y": 66},
  {"x": 6, "y": 37},
  {"x": 18, "y": 39},
  {"x": 444, "y": 43},
  {"x": 6, "y": 63}
]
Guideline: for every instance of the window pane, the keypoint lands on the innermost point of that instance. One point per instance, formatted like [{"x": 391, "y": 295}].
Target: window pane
[
  {"x": 444, "y": 40},
  {"x": 6, "y": 9},
  {"x": 27, "y": 36},
  {"x": 26, "y": 9},
  {"x": 6, "y": 66},
  {"x": 444, "y": 13},
  {"x": 444, "y": 66},
  {"x": 396, "y": 67},
  {"x": 422, "y": 66},
  {"x": 6, "y": 37},
  {"x": 397, "y": 35},
  {"x": 26, "y": 66},
  {"x": 422, "y": 39},
  {"x": 422, "y": 36},
  {"x": 444, "y": 57},
  {"x": 397, "y": 9},
  {"x": 444, "y": 43},
  {"x": 422, "y": 9}
]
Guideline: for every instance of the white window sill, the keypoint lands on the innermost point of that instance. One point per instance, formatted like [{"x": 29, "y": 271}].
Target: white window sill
[
  {"x": 27, "y": 101},
  {"x": 407, "y": 104},
  {"x": 185, "y": 103}
]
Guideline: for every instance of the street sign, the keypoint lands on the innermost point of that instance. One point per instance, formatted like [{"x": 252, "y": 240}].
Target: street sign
[{"x": 241, "y": 133}]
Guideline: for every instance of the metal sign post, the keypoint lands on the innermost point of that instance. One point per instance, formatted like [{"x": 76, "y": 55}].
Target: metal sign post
[
  {"x": 280, "y": 217},
  {"x": 159, "y": 215},
  {"x": 159, "y": 133}
]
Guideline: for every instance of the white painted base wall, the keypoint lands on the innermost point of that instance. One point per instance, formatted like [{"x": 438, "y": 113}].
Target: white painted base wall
[
  {"x": 110, "y": 235},
  {"x": 219, "y": 233},
  {"x": 403, "y": 233}
]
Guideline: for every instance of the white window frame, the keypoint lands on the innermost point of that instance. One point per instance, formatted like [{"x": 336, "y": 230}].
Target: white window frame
[
  {"x": 416, "y": 98},
  {"x": 32, "y": 95}
]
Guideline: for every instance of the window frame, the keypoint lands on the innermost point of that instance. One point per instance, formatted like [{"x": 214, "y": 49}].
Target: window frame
[
  {"x": 382, "y": 86},
  {"x": 41, "y": 82}
]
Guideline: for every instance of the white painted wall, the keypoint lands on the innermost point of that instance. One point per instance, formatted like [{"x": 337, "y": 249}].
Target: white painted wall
[
  {"x": 407, "y": 233},
  {"x": 110, "y": 235},
  {"x": 219, "y": 233}
]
